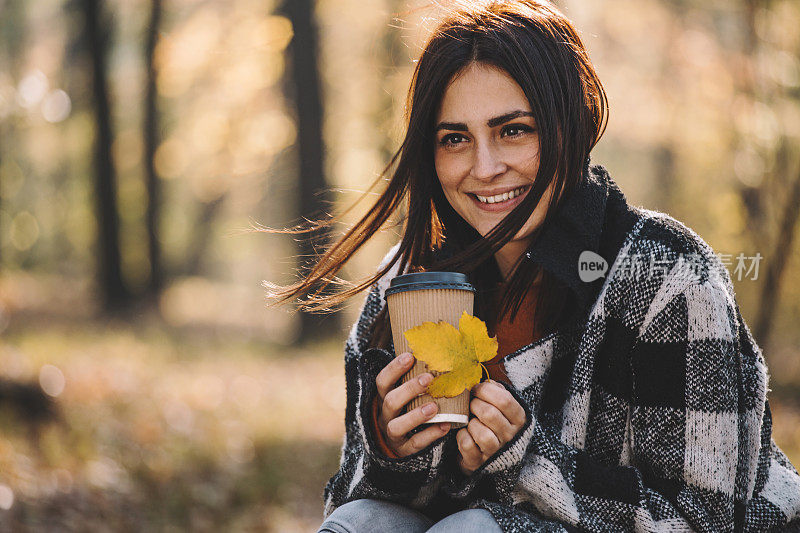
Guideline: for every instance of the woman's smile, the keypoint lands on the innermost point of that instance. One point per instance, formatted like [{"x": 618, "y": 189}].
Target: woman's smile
[{"x": 500, "y": 202}]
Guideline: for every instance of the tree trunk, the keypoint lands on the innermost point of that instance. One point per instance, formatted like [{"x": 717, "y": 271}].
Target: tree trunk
[
  {"x": 12, "y": 39},
  {"x": 746, "y": 78},
  {"x": 112, "y": 289},
  {"x": 2, "y": 229},
  {"x": 151, "y": 140},
  {"x": 200, "y": 241},
  {"x": 305, "y": 86},
  {"x": 777, "y": 261},
  {"x": 776, "y": 264}
]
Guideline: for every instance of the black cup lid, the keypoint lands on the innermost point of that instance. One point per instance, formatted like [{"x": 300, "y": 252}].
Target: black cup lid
[{"x": 417, "y": 281}]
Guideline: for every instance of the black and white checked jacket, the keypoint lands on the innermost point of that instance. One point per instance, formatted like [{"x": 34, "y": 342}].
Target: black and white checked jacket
[{"x": 647, "y": 412}]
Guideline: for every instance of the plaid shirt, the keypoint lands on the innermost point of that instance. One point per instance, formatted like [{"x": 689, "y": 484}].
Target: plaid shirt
[{"x": 647, "y": 411}]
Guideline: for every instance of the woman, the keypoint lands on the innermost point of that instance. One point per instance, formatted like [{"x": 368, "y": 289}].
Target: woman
[{"x": 633, "y": 399}]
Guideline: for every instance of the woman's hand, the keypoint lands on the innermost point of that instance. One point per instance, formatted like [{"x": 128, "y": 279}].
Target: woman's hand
[
  {"x": 498, "y": 418},
  {"x": 392, "y": 400}
]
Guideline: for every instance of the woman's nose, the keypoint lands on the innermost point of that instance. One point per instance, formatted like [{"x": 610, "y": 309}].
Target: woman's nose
[{"x": 487, "y": 163}]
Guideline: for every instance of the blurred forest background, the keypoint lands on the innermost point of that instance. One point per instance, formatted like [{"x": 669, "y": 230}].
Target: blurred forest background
[{"x": 143, "y": 383}]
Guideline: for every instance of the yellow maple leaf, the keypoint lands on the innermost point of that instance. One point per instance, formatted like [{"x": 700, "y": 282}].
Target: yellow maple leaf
[
  {"x": 438, "y": 344},
  {"x": 454, "y": 382},
  {"x": 458, "y": 353}
]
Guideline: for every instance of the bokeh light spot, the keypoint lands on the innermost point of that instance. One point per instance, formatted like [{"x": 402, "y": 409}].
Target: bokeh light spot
[
  {"x": 6, "y": 497},
  {"x": 24, "y": 231},
  {"x": 31, "y": 89},
  {"x": 56, "y": 106},
  {"x": 52, "y": 380},
  {"x": 171, "y": 158}
]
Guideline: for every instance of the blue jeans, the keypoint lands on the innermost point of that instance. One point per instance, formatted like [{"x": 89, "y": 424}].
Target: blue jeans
[{"x": 375, "y": 516}]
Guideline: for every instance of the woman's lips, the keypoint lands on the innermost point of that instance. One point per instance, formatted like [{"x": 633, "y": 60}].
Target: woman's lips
[{"x": 500, "y": 206}]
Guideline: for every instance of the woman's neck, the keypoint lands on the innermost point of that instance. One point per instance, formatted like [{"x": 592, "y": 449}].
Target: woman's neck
[
  {"x": 506, "y": 258},
  {"x": 508, "y": 255}
]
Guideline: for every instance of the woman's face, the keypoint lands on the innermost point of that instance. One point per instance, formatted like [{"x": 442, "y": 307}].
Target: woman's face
[{"x": 487, "y": 149}]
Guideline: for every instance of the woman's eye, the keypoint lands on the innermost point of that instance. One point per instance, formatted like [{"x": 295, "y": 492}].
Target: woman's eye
[
  {"x": 451, "y": 140},
  {"x": 516, "y": 130}
]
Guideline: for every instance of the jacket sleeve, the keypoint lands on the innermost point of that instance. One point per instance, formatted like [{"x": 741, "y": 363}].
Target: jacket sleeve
[
  {"x": 364, "y": 471},
  {"x": 700, "y": 455}
]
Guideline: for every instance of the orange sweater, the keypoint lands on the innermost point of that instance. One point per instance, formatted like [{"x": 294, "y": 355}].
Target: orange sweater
[{"x": 511, "y": 336}]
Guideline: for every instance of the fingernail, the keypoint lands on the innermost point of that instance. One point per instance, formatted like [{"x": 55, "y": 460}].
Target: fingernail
[
  {"x": 425, "y": 379},
  {"x": 428, "y": 409},
  {"x": 444, "y": 426},
  {"x": 406, "y": 358}
]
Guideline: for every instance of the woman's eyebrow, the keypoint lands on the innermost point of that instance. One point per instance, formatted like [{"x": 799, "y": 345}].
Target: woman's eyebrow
[
  {"x": 492, "y": 122},
  {"x": 496, "y": 121}
]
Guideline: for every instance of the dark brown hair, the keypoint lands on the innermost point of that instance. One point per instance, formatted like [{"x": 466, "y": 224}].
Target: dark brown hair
[{"x": 540, "y": 49}]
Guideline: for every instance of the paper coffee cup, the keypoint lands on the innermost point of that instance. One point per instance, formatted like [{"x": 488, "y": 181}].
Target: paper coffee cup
[{"x": 430, "y": 297}]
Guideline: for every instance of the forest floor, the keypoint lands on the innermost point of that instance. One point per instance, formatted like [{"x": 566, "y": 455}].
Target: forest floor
[
  {"x": 165, "y": 430},
  {"x": 168, "y": 429}
]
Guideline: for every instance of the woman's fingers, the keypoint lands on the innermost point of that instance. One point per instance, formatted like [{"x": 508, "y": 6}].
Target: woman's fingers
[
  {"x": 397, "y": 428},
  {"x": 471, "y": 456},
  {"x": 484, "y": 437},
  {"x": 497, "y": 395},
  {"x": 397, "y": 398},
  {"x": 466, "y": 445},
  {"x": 498, "y": 418},
  {"x": 493, "y": 419},
  {"x": 392, "y": 373},
  {"x": 393, "y": 399},
  {"x": 420, "y": 440}
]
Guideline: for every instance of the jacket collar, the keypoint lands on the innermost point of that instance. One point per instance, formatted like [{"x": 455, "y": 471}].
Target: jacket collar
[{"x": 595, "y": 216}]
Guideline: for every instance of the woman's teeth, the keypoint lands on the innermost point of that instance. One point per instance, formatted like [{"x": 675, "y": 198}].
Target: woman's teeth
[{"x": 501, "y": 197}]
